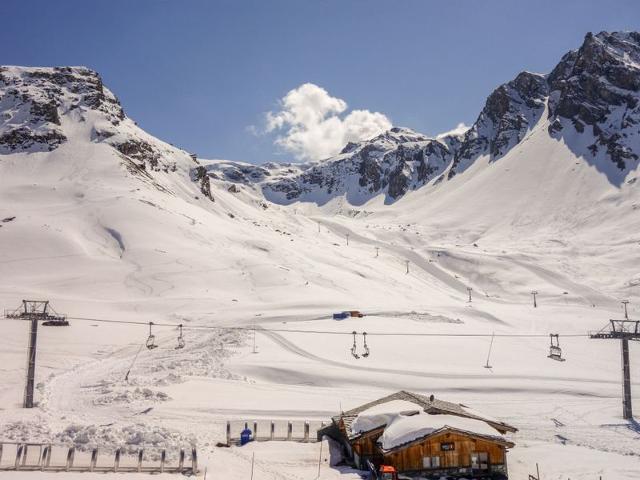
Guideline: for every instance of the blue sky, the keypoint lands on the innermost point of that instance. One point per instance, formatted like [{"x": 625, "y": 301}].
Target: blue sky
[{"x": 203, "y": 74}]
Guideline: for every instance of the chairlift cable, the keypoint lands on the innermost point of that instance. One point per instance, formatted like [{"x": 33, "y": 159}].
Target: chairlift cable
[{"x": 329, "y": 332}]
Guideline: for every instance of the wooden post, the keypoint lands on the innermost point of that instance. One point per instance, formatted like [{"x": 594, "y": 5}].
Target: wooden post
[
  {"x": 70, "y": 454},
  {"x": 163, "y": 457},
  {"x": 306, "y": 432},
  {"x": 319, "y": 460},
  {"x": 255, "y": 430},
  {"x": 194, "y": 460},
  {"x": 289, "y": 431},
  {"x": 181, "y": 461},
  {"x": 116, "y": 461},
  {"x": 228, "y": 433},
  {"x": 94, "y": 459},
  {"x": 18, "y": 456},
  {"x": 140, "y": 455},
  {"x": 273, "y": 431},
  {"x": 0, "y": 453},
  {"x": 24, "y": 454},
  {"x": 43, "y": 458}
]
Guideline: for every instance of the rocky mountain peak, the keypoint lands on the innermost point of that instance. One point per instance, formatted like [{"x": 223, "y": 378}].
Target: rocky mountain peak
[
  {"x": 33, "y": 100},
  {"x": 510, "y": 111},
  {"x": 44, "y": 108},
  {"x": 598, "y": 86}
]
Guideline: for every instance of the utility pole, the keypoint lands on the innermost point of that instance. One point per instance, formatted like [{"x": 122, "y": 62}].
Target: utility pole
[
  {"x": 469, "y": 289},
  {"x": 625, "y": 303},
  {"x": 624, "y": 330},
  {"x": 534, "y": 293},
  {"x": 407, "y": 262}
]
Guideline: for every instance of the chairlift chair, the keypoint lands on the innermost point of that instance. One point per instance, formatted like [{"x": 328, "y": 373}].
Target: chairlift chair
[
  {"x": 555, "y": 352},
  {"x": 151, "y": 339},
  {"x": 354, "y": 348},
  {"x": 366, "y": 347},
  {"x": 181, "y": 342}
]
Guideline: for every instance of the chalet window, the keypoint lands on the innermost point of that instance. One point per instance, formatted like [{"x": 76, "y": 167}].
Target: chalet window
[
  {"x": 447, "y": 446},
  {"x": 480, "y": 460},
  {"x": 430, "y": 462}
]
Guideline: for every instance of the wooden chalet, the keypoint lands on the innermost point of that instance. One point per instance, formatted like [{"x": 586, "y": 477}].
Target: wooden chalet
[{"x": 429, "y": 438}]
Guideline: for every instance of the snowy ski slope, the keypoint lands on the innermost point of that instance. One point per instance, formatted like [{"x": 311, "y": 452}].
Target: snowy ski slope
[{"x": 102, "y": 243}]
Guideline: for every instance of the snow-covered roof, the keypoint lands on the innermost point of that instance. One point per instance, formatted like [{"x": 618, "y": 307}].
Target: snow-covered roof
[
  {"x": 413, "y": 401},
  {"x": 404, "y": 421},
  {"x": 381, "y": 415},
  {"x": 404, "y": 429}
]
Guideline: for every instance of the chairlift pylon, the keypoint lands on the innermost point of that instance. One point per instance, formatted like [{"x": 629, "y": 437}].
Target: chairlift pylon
[
  {"x": 555, "y": 352},
  {"x": 365, "y": 346},
  {"x": 354, "y": 348},
  {"x": 151, "y": 339},
  {"x": 181, "y": 342}
]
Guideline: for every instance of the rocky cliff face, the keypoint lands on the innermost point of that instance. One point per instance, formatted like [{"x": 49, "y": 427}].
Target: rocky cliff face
[
  {"x": 44, "y": 108},
  {"x": 592, "y": 99},
  {"x": 510, "y": 112},
  {"x": 32, "y": 101},
  {"x": 596, "y": 90}
]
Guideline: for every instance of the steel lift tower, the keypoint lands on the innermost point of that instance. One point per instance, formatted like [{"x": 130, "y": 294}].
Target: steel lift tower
[
  {"x": 623, "y": 330},
  {"x": 34, "y": 311}
]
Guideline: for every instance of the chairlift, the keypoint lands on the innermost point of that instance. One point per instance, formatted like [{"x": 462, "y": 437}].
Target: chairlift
[
  {"x": 180, "y": 339},
  {"x": 151, "y": 339},
  {"x": 366, "y": 347},
  {"x": 555, "y": 352},
  {"x": 354, "y": 348}
]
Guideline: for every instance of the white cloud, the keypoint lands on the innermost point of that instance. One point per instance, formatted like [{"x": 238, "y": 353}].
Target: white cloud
[
  {"x": 459, "y": 130},
  {"x": 312, "y": 124}
]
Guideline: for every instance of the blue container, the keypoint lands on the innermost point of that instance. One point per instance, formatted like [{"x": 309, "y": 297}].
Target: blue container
[
  {"x": 245, "y": 436},
  {"x": 340, "y": 316}
]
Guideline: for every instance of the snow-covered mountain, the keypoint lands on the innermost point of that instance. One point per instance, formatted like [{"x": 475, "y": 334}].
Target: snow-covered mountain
[
  {"x": 110, "y": 223},
  {"x": 590, "y": 100},
  {"x": 45, "y": 108},
  {"x": 392, "y": 163}
]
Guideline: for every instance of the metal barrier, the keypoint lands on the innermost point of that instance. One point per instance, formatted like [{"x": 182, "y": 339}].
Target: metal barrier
[
  {"x": 274, "y": 430},
  {"x": 16, "y": 456}
]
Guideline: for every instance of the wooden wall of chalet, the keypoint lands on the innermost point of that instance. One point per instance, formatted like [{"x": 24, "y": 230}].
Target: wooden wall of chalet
[
  {"x": 411, "y": 457},
  {"x": 365, "y": 446}
]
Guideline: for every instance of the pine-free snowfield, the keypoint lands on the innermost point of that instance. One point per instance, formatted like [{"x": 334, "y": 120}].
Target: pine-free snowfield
[
  {"x": 101, "y": 244},
  {"x": 192, "y": 392}
]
